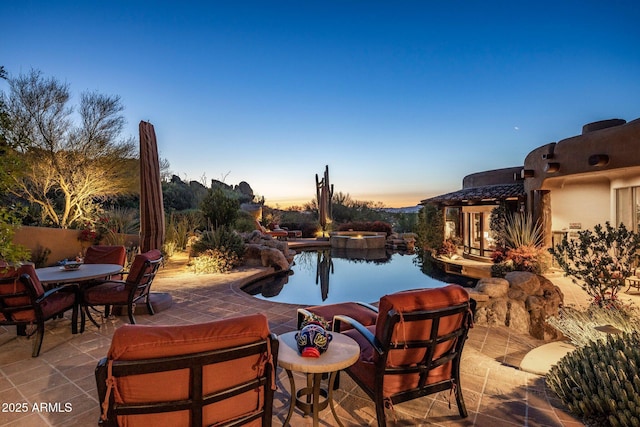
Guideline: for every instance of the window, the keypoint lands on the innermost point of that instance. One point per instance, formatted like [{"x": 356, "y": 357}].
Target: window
[{"x": 628, "y": 207}]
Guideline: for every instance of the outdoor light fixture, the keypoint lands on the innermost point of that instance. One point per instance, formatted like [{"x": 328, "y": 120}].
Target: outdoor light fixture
[
  {"x": 552, "y": 167},
  {"x": 598, "y": 160}
]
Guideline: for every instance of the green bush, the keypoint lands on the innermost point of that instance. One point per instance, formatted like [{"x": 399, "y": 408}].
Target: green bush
[
  {"x": 214, "y": 261},
  {"x": 600, "y": 382},
  {"x": 223, "y": 239},
  {"x": 219, "y": 208},
  {"x": 599, "y": 260},
  {"x": 245, "y": 223},
  {"x": 377, "y": 226}
]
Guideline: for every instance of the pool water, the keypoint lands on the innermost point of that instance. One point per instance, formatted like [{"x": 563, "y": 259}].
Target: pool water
[{"x": 328, "y": 276}]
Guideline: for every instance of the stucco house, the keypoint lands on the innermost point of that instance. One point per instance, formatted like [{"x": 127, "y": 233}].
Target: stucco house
[{"x": 568, "y": 185}]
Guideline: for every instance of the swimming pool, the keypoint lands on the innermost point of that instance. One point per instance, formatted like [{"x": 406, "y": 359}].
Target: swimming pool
[{"x": 330, "y": 276}]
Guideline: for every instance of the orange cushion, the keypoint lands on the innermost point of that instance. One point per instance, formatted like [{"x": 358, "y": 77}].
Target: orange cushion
[
  {"x": 138, "y": 264},
  {"x": 419, "y": 299},
  {"x": 105, "y": 255},
  {"x": 416, "y": 300},
  {"x": 134, "y": 342},
  {"x": 354, "y": 310}
]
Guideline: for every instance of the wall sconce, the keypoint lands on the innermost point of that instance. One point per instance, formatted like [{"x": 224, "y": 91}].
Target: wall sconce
[
  {"x": 527, "y": 173},
  {"x": 598, "y": 160},
  {"x": 552, "y": 167}
]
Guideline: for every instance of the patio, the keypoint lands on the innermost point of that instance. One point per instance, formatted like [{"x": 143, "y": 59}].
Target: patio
[{"x": 495, "y": 390}]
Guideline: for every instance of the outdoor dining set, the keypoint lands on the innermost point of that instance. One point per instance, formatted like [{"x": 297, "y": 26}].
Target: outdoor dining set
[{"x": 224, "y": 372}]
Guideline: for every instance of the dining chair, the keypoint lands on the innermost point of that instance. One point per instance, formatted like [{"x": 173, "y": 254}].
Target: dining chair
[
  {"x": 219, "y": 373},
  {"x": 413, "y": 348},
  {"x": 124, "y": 293},
  {"x": 105, "y": 254},
  {"x": 24, "y": 302}
]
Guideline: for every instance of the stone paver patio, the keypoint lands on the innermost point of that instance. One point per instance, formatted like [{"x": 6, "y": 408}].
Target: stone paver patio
[{"x": 496, "y": 392}]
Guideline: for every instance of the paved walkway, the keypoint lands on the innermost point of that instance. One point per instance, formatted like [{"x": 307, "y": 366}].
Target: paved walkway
[{"x": 495, "y": 391}]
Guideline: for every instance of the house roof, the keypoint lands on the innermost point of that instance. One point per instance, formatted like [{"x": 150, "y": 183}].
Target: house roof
[{"x": 486, "y": 193}]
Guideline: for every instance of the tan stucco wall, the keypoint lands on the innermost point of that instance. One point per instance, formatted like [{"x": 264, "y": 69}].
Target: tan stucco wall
[
  {"x": 586, "y": 203},
  {"x": 62, "y": 243}
]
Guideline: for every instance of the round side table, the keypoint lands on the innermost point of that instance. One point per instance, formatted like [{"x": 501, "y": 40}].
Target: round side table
[{"x": 342, "y": 353}]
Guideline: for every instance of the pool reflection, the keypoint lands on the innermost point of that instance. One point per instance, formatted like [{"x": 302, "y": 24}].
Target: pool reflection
[{"x": 335, "y": 275}]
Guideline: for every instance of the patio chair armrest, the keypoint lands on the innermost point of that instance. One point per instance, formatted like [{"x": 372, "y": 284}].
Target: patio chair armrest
[
  {"x": 72, "y": 287},
  {"x": 361, "y": 329},
  {"x": 369, "y": 306}
]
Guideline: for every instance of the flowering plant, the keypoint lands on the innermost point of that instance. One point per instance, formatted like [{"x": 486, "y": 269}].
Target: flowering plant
[{"x": 599, "y": 260}]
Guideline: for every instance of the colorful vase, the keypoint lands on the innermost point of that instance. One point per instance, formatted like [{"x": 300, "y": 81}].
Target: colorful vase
[{"x": 313, "y": 340}]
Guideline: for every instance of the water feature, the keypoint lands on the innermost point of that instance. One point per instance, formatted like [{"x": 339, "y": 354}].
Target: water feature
[{"x": 331, "y": 275}]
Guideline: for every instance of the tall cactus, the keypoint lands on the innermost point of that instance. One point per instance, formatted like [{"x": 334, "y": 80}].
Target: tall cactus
[{"x": 600, "y": 381}]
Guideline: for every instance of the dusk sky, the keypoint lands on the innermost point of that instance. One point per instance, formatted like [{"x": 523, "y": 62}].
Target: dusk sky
[{"x": 401, "y": 99}]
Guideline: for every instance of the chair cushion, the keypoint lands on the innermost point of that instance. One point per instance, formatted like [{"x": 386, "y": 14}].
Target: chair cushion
[
  {"x": 354, "y": 310},
  {"x": 107, "y": 293},
  {"x": 419, "y": 299},
  {"x": 134, "y": 342},
  {"x": 51, "y": 305},
  {"x": 105, "y": 255},
  {"x": 404, "y": 302},
  {"x": 139, "y": 262}
]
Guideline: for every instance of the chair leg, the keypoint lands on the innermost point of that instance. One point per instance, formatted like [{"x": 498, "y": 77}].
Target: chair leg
[
  {"x": 149, "y": 307},
  {"x": 74, "y": 319},
  {"x": 132, "y": 320},
  {"x": 460, "y": 401},
  {"x": 380, "y": 415},
  {"x": 37, "y": 344},
  {"x": 86, "y": 309}
]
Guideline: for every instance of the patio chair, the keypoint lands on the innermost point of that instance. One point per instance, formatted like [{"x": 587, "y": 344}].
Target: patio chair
[
  {"x": 99, "y": 254},
  {"x": 218, "y": 373},
  {"x": 126, "y": 292},
  {"x": 24, "y": 302},
  {"x": 278, "y": 233},
  {"x": 414, "y": 347}
]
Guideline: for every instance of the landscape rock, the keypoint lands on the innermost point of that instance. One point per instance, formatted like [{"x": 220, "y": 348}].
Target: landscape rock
[
  {"x": 494, "y": 287},
  {"x": 521, "y": 301}
]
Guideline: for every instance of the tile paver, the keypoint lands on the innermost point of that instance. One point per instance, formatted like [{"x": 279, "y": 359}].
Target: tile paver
[{"x": 496, "y": 392}]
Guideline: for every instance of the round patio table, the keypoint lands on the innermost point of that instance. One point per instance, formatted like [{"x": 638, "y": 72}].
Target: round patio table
[
  {"x": 58, "y": 274},
  {"x": 342, "y": 353}
]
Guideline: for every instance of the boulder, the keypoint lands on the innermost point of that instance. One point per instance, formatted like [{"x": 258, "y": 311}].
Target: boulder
[
  {"x": 271, "y": 257},
  {"x": 518, "y": 318},
  {"x": 521, "y": 301},
  {"x": 523, "y": 280},
  {"x": 494, "y": 287}
]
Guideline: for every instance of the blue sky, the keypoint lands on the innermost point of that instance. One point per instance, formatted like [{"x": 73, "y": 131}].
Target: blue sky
[{"x": 401, "y": 99}]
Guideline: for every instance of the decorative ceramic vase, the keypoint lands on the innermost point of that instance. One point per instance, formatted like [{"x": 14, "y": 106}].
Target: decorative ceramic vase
[{"x": 313, "y": 340}]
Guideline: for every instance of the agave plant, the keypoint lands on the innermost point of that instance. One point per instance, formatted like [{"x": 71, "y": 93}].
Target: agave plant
[{"x": 521, "y": 230}]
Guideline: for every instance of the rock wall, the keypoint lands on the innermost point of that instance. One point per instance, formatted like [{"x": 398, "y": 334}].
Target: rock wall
[
  {"x": 521, "y": 301},
  {"x": 263, "y": 250}
]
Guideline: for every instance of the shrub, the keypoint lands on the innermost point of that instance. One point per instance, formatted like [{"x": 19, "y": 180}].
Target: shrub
[
  {"x": 181, "y": 226},
  {"x": 245, "y": 223},
  {"x": 599, "y": 260},
  {"x": 214, "y": 261},
  {"x": 522, "y": 250},
  {"x": 600, "y": 382},
  {"x": 430, "y": 228},
  {"x": 219, "y": 208},
  {"x": 223, "y": 239},
  {"x": 449, "y": 248},
  {"x": 583, "y": 326},
  {"x": 376, "y": 226}
]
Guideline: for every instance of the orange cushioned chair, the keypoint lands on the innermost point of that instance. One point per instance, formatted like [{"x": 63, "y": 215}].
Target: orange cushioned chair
[
  {"x": 412, "y": 348},
  {"x": 123, "y": 293},
  {"x": 106, "y": 255},
  {"x": 219, "y": 373},
  {"x": 23, "y": 302}
]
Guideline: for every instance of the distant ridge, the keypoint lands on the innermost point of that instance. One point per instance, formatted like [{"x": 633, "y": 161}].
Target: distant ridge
[{"x": 408, "y": 209}]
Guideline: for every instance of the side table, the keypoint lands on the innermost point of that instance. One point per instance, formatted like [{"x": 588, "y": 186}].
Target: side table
[{"x": 342, "y": 353}]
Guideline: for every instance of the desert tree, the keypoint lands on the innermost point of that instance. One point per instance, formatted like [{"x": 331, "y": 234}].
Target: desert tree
[{"x": 72, "y": 160}]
